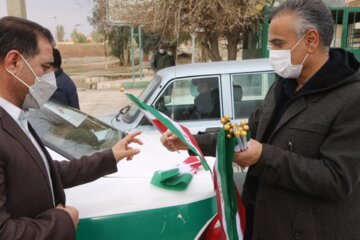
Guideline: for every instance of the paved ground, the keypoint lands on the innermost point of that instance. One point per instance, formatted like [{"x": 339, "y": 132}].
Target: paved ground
[
  {"x": 103, "y": 102},
  {"x": 106, "y": 99}
]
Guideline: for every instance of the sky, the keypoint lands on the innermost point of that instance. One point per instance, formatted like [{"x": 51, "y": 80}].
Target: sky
[{"x": 49, "y": 13}]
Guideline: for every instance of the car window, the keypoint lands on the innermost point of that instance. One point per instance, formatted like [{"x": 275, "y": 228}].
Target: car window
[
  {"x": 249, "y": 91},
  {"x": 134, "y": 111},
  {"x": 70, "y": 132},
  {"x": 191, "y": 99}
]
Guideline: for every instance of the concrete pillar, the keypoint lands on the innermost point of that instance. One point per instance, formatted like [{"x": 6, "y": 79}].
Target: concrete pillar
[{"x": 16, "y": 8}]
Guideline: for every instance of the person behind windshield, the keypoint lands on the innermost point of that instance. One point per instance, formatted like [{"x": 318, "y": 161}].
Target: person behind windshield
[
  {"x": 66, "y": 92},
  {"x": 32, "y": 197},
  {"x": 203, "y": 101},
  {"x": 303, "y": 158}
]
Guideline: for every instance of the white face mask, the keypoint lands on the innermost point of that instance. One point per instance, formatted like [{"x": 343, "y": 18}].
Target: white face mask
[
  {"x": 161, "y": 51},
  {"x": 280, "y": 60},
  {"x": 40, "y": 91}
]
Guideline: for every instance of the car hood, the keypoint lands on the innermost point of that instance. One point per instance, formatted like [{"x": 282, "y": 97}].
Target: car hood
[
  {"x": 153, "y": 156},
  {"x": 130, "y": 189}
]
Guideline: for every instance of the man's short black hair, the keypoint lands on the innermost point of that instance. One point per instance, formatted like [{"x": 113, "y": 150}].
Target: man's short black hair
[
  {"x": 57, "y": 58},
  {"x": 21, "y": 35}
]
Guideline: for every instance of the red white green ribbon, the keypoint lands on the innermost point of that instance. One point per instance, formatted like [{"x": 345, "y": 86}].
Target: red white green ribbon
[
  {"x": 163, "y": 122},
  {"x": 229, "y": 223}
]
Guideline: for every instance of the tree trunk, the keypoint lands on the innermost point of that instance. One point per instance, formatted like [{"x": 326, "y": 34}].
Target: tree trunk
[
  {"x": 127, "y": 56},
  {"x": 204, "y": 57},
  {"x": 121, "y": 60},
  {"x": 212, "y": 46},
  {"x": 233, "y": 39}
]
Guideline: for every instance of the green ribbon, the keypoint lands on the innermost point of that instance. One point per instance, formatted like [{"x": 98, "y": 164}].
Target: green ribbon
[{"x": 171, "y": 179}]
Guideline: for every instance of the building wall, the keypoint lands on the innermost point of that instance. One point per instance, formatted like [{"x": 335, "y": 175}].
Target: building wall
[
  {"x": 81, "y": 50},
  {"x": 353, "y": 3}
]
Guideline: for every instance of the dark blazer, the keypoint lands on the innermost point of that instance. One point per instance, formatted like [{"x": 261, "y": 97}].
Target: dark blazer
[
  {"x": 306, "y": 184},
  {"x": 26, "y": 207}
]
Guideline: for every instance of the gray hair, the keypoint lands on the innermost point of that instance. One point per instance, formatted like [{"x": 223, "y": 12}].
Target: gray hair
[{"x": 312, "y": 14}]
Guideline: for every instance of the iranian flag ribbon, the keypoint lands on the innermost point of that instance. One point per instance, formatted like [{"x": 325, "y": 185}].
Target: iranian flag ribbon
[
  {"x": 163, "y": 122},
  {"x": 229, "y": 223}
]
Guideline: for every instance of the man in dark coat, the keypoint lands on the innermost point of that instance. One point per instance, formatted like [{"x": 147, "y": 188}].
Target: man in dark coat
[
  {"x": 304, "y": 158},
  {"x": 32, "y": 198},
  {"x": 66, "y": 92},
  {"x": 155, "y": 63},
  {"x": 171, "y": 56}
]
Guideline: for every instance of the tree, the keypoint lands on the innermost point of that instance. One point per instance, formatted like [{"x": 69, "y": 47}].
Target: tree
[
  {"x": 78, "y": 37},
  {"x": 60, "y": 33},
  {"x": 214, "y": 18},
  {"x": 118, "y": 39},
  {"x": 150, "y": 42},
  {"x": 97, "y": 36}
]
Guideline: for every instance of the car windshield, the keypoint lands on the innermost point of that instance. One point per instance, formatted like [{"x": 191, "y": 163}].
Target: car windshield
[
  {"x": 134, "y": 111},
  {"x": 70, "y": 132}
]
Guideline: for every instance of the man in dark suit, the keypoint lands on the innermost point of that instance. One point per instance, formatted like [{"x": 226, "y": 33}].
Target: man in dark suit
[
  {"x": 303, "y": 180},
  {"x": 32, "y": 199}
]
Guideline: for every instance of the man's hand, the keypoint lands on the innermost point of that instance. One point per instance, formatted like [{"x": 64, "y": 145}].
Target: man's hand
[
  {"x": 172, "y": 142},
  {"x": 73, "y": 212},
  {"x": 122, "y": 149},
  {"x": 250, "y": 156}
]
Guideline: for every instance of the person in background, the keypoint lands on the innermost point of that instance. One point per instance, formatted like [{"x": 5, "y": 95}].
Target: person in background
[
  {"x": 303, "y": 158},
  {"x": 32, "y": 198},
  {"x": 157, "y": 56},
  {"x": 166, "y": 60},
  {"x": 171, "y": 56},
  {"x": 203, "y": 101},
  {"x": 66, "y": 92}
]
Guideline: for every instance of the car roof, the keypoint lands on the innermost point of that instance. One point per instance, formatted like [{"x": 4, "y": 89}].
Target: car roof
[{"x": 220, "y": 67}]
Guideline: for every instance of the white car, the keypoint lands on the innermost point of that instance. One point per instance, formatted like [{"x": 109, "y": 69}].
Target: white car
[
  {"x": 125, "y": 205},
  {"x": 236, "y": 88}
]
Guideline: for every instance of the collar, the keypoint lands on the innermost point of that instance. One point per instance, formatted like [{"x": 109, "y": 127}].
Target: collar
[
  {"x": 289, "y": 86},
  {"x": 58, "y": 71},
  {"x": 11, "y": 109}
]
